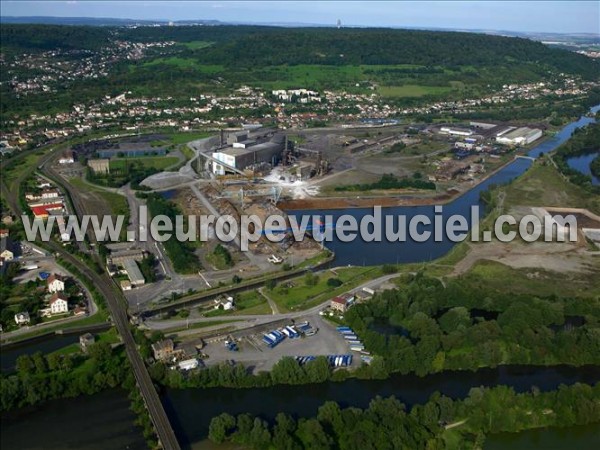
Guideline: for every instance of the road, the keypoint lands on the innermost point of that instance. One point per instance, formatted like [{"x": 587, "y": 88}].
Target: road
[
  {"x": 116, "y": 304},
  {"x": 247, "y": 321}
]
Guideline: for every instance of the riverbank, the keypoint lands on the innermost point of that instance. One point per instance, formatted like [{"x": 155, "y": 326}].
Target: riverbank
[
  {"x": 190, "y": 410},
  {"x": 388, "y": 201}
]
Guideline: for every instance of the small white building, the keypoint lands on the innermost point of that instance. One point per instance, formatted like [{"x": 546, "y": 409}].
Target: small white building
[
  {"x": 188, "y": 364},
  {"x": 50, "y": 193},
  {"x": 55, "y": 283},
  {"x": 22, "y": 318},
  {"x": 67, "y": 158},
  {"x": 225, "y": 303},
  {"x": 59, "y": 304},
  {"x": 6, "y": 249}
]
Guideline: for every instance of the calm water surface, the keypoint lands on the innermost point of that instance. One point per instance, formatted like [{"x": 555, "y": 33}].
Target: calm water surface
[
  {"x": 101, "y": 421},
  {"x": 190, "y": 410},
  {"x": 582, "y": 164}
]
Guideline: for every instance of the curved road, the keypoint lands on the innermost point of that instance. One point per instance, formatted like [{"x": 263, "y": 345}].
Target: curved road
[{"x": 116, "y": 303}]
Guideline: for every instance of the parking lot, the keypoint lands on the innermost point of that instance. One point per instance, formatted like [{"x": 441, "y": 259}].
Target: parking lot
[{"x": 257, "y": 356}]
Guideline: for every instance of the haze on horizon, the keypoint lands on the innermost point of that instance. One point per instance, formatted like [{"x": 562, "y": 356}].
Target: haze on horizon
[{"x": 516, "y": 16}]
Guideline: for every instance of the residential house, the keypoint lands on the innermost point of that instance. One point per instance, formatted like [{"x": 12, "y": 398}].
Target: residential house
[
  {"x": 7, "y": 249},
  {"x": 163, "y": 349},
  {"x": 55, "y": 283},
  {"x": 59, "y": 304},
  {"x": 339, "y": 304},
  {"x": 342, "y": 302},
  {"x": 80, "y": 311}
]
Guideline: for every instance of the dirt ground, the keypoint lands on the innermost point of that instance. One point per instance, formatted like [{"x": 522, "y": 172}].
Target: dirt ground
[
  {"x": 364, "y": 202},
  {"x": 554, "y": 256}
]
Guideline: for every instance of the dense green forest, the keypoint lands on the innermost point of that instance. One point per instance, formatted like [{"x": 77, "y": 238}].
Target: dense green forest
[
  {"x": 386, "y": 423},
  {"x": 32, "y": 38},
  {"x": 595, "y": 166},
  {"x": 39, "y": 378},
  {"x": 249, "y": 47},
  {"x": 584, "y": 141}
]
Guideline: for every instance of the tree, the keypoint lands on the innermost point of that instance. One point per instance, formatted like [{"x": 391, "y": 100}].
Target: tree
[
  {"x": 334, "y": 282},
  {"x": 40, "y": 363},
  {"x": 220, "y": 427},
  {"x": 312, "y": 435},
  {"x": 270, "y": 284},
  {"x": 310, "y": 279},
  {"x": 283, "y": 433},
  {"x": 24, "y": 364}
]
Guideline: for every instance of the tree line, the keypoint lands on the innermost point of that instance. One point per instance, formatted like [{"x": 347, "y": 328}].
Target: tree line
[
  {"x": 181, "y": 254},
  {"x": 584, "y": 141},
  {"x": 39, "y": 378},
  {"x": 424, "y": 328},
  {"x": 387, "y": 423}
]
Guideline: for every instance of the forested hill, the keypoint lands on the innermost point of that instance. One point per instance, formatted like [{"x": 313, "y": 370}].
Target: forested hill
[
  {"x": 32, "y": 38},
  {"x": 253, "y": 46},
  {"x": 387, "y": 46}
]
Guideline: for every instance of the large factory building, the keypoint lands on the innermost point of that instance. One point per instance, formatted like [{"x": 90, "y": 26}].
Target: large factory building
[
  {"x": 519, "y": 136},
  {"x": 245, "y": 153}
]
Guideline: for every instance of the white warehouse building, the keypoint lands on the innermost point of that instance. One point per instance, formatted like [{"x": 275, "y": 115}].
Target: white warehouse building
[
  {"x": 520, "y": 136},
  {"x": 456, "y": 131},
  {"x": 241, "y": 158}
]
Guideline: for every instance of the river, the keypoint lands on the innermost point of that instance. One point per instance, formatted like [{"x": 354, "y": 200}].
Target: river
[
  {"x": 104, "y": 420},
  {"x": 582, "y": 164},
  {"x": 359, "y": 252},
  {"x": 190, "y": 410},
  {"x": 100, "y": 421},
  {"x": 44, "y": 344}
]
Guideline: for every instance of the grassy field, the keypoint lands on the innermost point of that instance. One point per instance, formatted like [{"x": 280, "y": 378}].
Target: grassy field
[
  {"x": 110, "y": 336},
  {"x": 99, "y": 317},
  {"x": 295, "y": 295},
  {"x": 534, "y": 281},
  {"x": 117, "y": 203},
  {"x": 196, "y": 45},
  {"x": 182, "y": 138},
  {"x": 251, "y": 302},
  {"x": 542, "y": 185},
  {"x": 187, "y": 152},
  {"x": 186, "y": 63},
  {"x": 412, "y": 90},
  {"x": 155, "y": 162}
]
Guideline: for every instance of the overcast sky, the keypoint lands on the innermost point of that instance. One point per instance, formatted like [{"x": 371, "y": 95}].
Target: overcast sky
[{"x": 550, "y": 16}]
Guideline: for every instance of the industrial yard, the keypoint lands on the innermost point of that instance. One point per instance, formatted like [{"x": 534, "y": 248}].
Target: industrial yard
[{"x": 256, "y": 351}]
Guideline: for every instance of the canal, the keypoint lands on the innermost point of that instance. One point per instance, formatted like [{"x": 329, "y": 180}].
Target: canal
[
  {"x": 190, "y": 410},
  {"x": 358, "y": 252},
  {"x": 582, "y": 164},
  {"x": 104, "y": 420}
]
